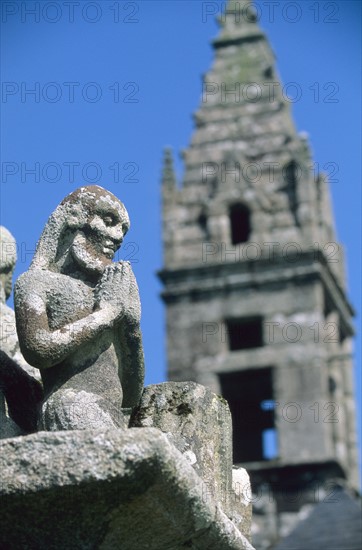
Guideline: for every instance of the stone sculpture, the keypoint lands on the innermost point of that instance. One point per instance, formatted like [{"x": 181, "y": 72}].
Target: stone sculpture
[
  {"x": 8, "y": 337},
  {"x": 78, "y": 315},
  {"x": 78, "y": 320},
  {"x": 20, "y": 390},
  {"x": 129, "y": 489}
]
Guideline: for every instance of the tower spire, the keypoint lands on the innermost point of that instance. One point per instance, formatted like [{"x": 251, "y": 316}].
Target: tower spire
[
  {"x": 250, "y": 246},
  {"x": 168, "y": 172},
  {"x": 169, "y": 203},
  {"x": 238, "y": 22}
]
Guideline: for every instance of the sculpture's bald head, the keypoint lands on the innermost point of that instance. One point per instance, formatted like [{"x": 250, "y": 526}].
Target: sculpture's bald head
[
  {"x": 100, "y": 221},
  {"x": 86, "y": 202},
  {"x": 83, "y": 233},
  {"x": 7, "y": 259}
]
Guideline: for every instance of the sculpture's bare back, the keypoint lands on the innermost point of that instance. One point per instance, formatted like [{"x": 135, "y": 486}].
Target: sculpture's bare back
[{"x": 78, "y": 314}]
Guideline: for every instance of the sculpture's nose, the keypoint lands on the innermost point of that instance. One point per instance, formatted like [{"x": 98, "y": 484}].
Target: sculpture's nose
[{"x": 117, "y": 235}]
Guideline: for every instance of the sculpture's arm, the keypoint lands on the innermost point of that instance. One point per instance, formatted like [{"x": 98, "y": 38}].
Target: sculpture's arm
[
  {"x": 42, "y": 346},
  {"x": 128, "y": 329},
  {"x": 22, "y": 392},
  {"x": 132, "y": 362},
  {"x": 118, "y": 284}
]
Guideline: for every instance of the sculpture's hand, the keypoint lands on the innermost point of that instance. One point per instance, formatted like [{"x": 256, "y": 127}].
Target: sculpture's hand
[
  {"x": 106, "y": 294},
  {"x": 118, "y": 293},
  {"x": 133, "y": 310}
]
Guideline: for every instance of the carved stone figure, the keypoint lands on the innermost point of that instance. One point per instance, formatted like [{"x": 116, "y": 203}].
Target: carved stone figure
[
  {"x": 8, "y": 337},
  {"x": 78, "y": 315},
  {"x": 20, "y": 390}
]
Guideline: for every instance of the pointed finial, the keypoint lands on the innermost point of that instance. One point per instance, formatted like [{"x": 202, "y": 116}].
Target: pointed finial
[
  {"x": 168, "y": 172},
  {"x": 242, "y": 9},
  {"x": 239, "y": 21}
]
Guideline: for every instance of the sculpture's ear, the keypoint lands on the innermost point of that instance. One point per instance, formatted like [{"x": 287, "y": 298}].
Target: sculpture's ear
[{"x": 76, "y": 215}]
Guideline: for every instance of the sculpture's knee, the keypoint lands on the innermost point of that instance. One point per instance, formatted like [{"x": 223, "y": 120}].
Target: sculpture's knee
[{"x": 67, "y": 409}]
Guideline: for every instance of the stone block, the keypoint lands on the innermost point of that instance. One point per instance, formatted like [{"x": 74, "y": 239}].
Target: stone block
[
  {"x": 23, "y": 395},
  {"x": 198, "y": 423},
  {"x": 240, "y": 502},
  {"x": 106, "y": 490}
]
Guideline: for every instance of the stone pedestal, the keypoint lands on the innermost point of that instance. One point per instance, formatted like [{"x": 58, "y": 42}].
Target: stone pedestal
[
  {"x": 106, "y": 490},
  {"x": 198, "y": 423},
  {"x": 20, "y": 398}
]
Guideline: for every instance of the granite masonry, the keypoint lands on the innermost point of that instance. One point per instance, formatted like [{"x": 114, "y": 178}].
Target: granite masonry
[{"x": 254, "y": 284}]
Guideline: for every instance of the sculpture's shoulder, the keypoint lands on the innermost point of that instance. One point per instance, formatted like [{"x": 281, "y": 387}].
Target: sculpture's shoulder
[
  {"x": 8, "y": 338},
  {"x": 39, "y": 281},
  {"x": 6, "y": 313},
  {"x": 52, "y": 298},
  {"x": 9, "y": 342},
  {"x": 31, "y": 289}
]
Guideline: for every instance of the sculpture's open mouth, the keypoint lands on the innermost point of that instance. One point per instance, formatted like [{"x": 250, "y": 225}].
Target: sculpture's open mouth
[
  {"x": 108, "y": 252},
  {"x": 110, "y": 248}
]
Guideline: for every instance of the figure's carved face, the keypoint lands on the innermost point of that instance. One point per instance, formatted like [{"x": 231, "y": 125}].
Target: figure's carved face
[
  {"x": 97, "y": 242},
  {"x": 7, "y": 262},
  {"x": 6, "y": 277},
  {"x": 107, "y": 227}
]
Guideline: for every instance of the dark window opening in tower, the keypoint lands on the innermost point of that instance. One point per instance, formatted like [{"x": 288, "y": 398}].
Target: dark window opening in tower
[
  {"x": 202, "y": 219},
  {"x": 239, "y": 223},
  {"x": 291, "y": 174},
  {"x": 246, "y": 333},
  {"x": 332, "y": 386},
  {"x": 250, "y": 397},
  {"x": 342, "y": 334},
  {"x": 329, "y": 306},
  {"x": 269, "y": 435}
]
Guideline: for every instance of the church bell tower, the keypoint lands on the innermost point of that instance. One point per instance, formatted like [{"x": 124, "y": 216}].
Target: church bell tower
[{"x": 253, "y": 275}]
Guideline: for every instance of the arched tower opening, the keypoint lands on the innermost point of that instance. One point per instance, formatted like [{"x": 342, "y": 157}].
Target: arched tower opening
[{"x": 239, "y": 215}]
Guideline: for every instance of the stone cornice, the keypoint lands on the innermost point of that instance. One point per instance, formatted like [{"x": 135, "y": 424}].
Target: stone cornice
[{"x": 208, "y": 278}]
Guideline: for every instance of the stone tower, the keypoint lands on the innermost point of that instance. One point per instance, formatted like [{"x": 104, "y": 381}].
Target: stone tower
[{"x": 253, "y": 276}]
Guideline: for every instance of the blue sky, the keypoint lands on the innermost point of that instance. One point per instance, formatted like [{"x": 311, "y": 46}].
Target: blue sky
[{"x": 117, "y": 81}]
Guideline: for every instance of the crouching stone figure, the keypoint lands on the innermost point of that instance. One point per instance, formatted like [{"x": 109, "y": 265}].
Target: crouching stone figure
[{"x": 78, "y": 315}]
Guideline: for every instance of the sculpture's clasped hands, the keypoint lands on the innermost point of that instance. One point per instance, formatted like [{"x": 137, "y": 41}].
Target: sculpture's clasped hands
[{"x": 117, "y": 292}]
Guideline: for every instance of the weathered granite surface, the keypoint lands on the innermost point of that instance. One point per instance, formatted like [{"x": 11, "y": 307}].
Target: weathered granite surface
[
  {"x": 240, "y": 509},
  {"x": 249, "y": 234},
  {"x": 20, "y": 388},
  {"x": 78, "y": 315},
  {"x": 89, "y": 484},
  {"x": 198, "y": 423},
  {"x": 23, "y": 396},
  {"x": 107, "y": 489},
  {"x": 8, "y": 337}
]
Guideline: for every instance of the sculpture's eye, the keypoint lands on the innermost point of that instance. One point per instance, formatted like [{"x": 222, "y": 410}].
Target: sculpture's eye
[{"x": 108, "y": 219}]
